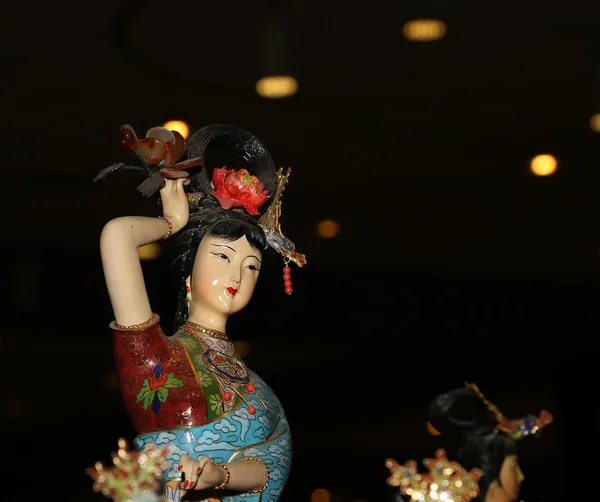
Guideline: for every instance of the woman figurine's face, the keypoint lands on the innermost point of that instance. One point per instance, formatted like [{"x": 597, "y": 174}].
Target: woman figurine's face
[
  {"x": 224, "y": 275},
  {"x": 511, "y": 478}
]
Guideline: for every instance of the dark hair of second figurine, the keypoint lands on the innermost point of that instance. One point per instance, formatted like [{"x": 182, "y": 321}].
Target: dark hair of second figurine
[
  {"x": 479, "y": 444},
  {"x": 208, "y": 218}
]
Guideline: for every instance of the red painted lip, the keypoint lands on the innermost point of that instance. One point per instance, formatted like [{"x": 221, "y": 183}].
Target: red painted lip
[{"x": 231, "y": 291}]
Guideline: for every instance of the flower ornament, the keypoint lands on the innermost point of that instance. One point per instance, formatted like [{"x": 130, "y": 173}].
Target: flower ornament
[
  {"x": 238, "y": 189},
  {"x": 444, "y": 481},
  {"x": 157, "y": 154},
  {"x": 161, "y": 147},
  {"x": 135, "y": 476}
]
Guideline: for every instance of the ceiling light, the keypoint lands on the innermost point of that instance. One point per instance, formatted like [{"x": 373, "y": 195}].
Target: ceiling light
[
  {"x": 320, "y": 495},
  {"x": 595, "y": 122},
  {"x": 274, "y": 78},
  {"x": 179, "y": 126},
  {"x": 277, "y": 86},
  {"x": 328, "y": 229},
  {"x": 543, "y": 165},
  {"x": 424, "y": 30}
]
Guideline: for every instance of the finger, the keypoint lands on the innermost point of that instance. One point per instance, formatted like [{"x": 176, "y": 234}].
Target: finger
[
  {"x": 168, "y": 184},
  {"x": 171, "y": 174},
  {"x": 196, "y": 470},
  {"x": 202, "y": 461},
  {"x": 184, "y": 461},
  {"x": 190, "y": 471},
  {"x": 184, "y": 479}
]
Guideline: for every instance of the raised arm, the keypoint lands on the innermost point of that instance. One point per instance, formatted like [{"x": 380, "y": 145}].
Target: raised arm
[{"x": 119, "y": 243}]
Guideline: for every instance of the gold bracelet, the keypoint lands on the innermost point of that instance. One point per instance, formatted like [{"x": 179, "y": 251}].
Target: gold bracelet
[
  {"x": 136, "y": 327},
  {"x": 170, "y": 231},
  {"x": 263, "y": 487},
  {"x": 224, "y": 484}
]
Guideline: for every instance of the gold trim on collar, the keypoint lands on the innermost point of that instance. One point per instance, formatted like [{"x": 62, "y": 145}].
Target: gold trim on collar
[{"x": 198, "y": 330}]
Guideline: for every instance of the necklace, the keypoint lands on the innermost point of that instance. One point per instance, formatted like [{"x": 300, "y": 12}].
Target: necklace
[
  {"x": 227, "y": 369},
  {"x": 197, "y": 330},
  {"x": 226, "y": 366}
]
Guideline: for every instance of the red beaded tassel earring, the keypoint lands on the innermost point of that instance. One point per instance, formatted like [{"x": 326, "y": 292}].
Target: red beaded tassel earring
[{"x": 287, "y": 277}]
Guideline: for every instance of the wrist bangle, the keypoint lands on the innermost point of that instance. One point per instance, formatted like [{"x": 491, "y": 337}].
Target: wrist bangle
[
  {"x": 224, "y": 484},
  {"x": 170, "y": 231},
  {"x": 263, "y": 487}
]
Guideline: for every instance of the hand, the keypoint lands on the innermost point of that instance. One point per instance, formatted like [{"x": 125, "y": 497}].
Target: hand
[
  {"x": 175, "y": 203},
  {"x": 200, "y": 474}
]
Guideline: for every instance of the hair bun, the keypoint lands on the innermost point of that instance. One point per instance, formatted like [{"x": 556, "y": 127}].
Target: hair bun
[
  {"x": 257, "y": 158},
  {"x": 443, "y": 410}
]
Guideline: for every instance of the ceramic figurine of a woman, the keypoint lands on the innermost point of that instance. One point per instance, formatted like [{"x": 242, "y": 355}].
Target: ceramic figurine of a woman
[
  {"x": 227, "y": 431},
  {"x": 487, "y": 446}
]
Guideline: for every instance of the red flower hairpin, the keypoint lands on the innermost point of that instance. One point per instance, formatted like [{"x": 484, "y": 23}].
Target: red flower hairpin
[{"x": 238, "y": 189}]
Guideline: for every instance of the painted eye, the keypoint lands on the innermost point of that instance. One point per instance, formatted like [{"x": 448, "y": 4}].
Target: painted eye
[
  {"x": 254, "y": 268},
  {"x": 222, "y": 256}
]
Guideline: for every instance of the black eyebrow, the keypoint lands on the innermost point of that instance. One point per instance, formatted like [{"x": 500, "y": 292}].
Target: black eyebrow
[
  {"x": 224, "y": 246},
  {"x": 229, "y": 247}
]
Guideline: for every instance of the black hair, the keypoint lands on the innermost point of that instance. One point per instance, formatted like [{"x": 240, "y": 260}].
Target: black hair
[
  {"x": 479, "y": 444},
  {"x": 208, "y": 220},
  {"x": 207, "y": 217},
  {"x": 257, "y": 158}
]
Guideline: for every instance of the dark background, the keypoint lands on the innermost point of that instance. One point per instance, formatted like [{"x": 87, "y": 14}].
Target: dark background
[{"x": 453, "y": 262}]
